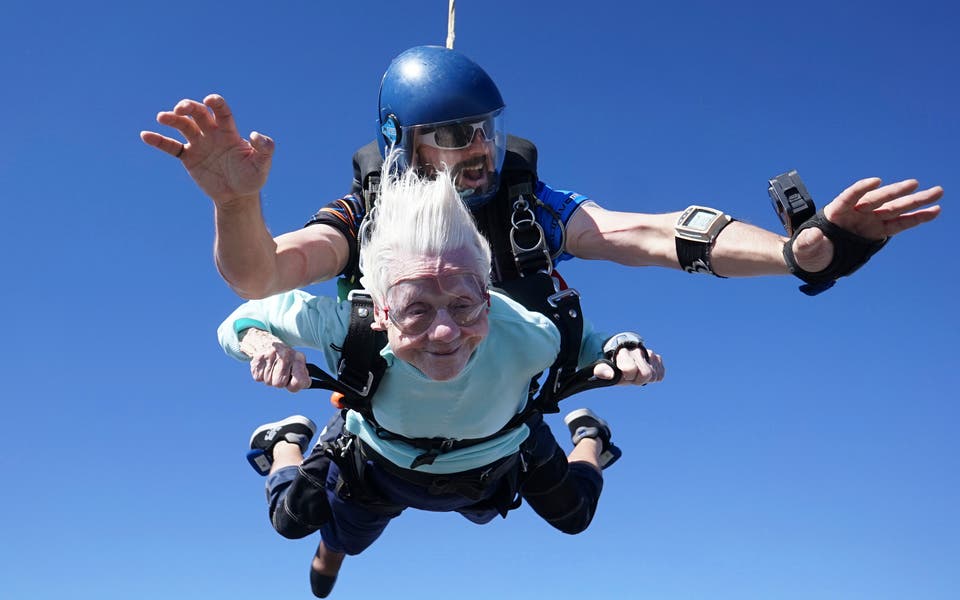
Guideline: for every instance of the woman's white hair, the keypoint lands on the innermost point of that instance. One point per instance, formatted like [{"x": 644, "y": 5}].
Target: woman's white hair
[{"x": 415, "y": 217}]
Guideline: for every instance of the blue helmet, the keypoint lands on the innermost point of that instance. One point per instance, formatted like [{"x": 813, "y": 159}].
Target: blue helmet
[{"x": 438, "y": 97}]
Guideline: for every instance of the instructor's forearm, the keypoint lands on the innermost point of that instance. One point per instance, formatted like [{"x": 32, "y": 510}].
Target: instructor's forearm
[
  {"x": 244, "y": 251},
  {"x": 743, "y": 250},
  {"x": 636, "y": 239}
]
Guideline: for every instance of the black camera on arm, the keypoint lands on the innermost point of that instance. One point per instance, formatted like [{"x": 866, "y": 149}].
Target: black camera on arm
[
  {"x": 791, "y": 201},
  {"x": 796, "y": 210}
]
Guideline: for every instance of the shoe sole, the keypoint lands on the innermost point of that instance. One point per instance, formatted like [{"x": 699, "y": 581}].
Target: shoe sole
[
  {"x": 294, "y": 420},
  {"x": 583, "y": 412},
  {"x": 609, "y": 456}
]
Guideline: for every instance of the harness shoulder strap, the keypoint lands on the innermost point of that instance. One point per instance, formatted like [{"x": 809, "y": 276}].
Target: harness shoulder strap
[
  {"x": 508, "y": 222},
  {"x": 367, "y": 162},
  {"x": 361, "y": 367},
  {"x": 521, "y": 156}
]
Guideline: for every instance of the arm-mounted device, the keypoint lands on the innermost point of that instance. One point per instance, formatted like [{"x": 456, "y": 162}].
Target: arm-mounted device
[
  {"x": 695, "y": 233},
  {"x": 791, "y": 200},
  {"x": 797, "y": 212},
  {"x": 850, "y": 252}
]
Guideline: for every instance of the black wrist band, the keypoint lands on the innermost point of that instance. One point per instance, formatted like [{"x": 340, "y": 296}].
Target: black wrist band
[
  {"x": 850, "y": 252},
  {"x": 694, "y": 257}
]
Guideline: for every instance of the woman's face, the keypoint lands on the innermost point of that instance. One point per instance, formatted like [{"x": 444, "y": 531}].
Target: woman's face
[{"x": 435, "y": 313}]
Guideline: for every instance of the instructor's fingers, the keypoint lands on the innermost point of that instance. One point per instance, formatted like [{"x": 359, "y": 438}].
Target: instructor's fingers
[{"x": 221, "y": 112}]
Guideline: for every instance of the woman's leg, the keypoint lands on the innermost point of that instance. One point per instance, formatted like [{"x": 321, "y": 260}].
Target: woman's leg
[
  {"x": 563, "y": 491},
  {"x": 351, "y": 529}
]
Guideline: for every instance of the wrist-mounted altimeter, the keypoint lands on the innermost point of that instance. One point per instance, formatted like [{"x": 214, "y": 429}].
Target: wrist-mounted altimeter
[{"x": 695, "y": 232}]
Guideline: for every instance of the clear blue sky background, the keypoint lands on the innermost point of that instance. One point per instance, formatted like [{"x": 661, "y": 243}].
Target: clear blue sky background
[{"x": 800, "y": 447}]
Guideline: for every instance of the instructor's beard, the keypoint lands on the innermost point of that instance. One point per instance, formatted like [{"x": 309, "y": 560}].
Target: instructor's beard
[{"x": 473, "y": 176}]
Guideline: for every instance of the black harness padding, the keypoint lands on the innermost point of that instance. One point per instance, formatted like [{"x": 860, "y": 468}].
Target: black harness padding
[
  {"x": 367, "y": 162},
  {"x": 850, "y": 252},
  {"x": 361, "y": 367}
]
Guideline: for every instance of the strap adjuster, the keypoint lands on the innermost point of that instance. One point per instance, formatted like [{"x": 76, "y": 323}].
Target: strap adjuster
[
  {"x": 562, "y": 296},
  {"x": 359, "y": 293},
  {"x": 362, "y": 390}
]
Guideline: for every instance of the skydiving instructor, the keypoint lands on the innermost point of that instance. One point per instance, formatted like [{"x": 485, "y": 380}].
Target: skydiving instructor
[{"x": 443, "y": 111}]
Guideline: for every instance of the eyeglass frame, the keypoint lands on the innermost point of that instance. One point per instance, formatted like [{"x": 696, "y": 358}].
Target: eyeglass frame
[
  {"x": 428, "y": 135},
  {"x": 393, "y": 318}
]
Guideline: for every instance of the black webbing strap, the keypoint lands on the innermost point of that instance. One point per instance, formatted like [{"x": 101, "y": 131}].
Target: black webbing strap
[
  {"x": 547, "y": 402},
  {"x": 538, "y": 291},
  {"x": 367, "y": 162},
  {"x": 584, "y": 380},
  {"x": 361, "y": 367}
]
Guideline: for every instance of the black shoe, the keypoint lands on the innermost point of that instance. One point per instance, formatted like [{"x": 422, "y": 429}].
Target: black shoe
[
  {"x": 321, "y": 585},
  {"x": 295, "y": 430},
  {"x": 584, "y": 424}
]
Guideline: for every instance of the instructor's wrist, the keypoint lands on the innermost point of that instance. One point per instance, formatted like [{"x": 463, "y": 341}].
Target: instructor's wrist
[
  {"x": 812, "y": 250},
  {"x": 237, "y": 203}
]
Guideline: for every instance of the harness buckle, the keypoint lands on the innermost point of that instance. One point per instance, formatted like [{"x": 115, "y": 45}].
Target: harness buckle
[
  {"x": 521, "y": 206},
  {"x": 561, "y": 296},
  {"x": 359, "y": 292},
  {"x": 361, "y": 391},
  {"x": 530, "y": 255},
  {"x": 370, "y": 191},
  {"x": 533, "y": 252},
  {"x": 345, "y": 448}
]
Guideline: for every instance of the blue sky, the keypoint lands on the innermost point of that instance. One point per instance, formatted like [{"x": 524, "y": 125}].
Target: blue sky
[{"x": 799, "y": 448}]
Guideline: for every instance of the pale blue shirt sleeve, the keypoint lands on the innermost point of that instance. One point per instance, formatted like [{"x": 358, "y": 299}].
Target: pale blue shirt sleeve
[
  {"x": 591, "y": 345},
  {"x": 298, "y": 318}
]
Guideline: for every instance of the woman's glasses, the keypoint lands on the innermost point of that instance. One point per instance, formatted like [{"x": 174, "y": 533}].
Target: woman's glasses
[{"x": 417, "y": 311}]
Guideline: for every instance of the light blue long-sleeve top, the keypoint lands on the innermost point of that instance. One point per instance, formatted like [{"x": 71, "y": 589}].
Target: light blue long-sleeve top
[{"x": 477, "y": 403}]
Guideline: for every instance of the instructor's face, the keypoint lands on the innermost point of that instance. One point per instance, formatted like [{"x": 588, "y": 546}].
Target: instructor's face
[{"x": 471, "y": 167}]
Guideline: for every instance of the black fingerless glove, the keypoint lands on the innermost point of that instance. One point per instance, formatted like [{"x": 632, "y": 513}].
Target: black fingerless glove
[{"x": 850, "y": 252}]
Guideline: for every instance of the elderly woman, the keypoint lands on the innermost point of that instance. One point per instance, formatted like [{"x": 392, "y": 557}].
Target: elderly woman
[{"x": 460, "y": 359}]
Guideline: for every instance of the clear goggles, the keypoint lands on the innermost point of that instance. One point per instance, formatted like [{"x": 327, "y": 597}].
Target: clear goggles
[
  {"x": 412, "y": 306},
  {"x": 457, "y": 135}
]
